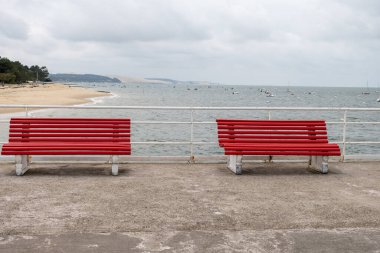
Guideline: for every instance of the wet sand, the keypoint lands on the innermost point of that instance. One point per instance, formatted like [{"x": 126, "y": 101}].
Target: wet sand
[{"x": 44, "y": 94}]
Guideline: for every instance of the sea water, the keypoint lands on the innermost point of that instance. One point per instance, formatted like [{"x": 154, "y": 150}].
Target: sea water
[{"x": 227, "y": 96}]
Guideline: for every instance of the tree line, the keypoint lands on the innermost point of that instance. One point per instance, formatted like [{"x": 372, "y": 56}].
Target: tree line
[{"x": 15, "y": 72}]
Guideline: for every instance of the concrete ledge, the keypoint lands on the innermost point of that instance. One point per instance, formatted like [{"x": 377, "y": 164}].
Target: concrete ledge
[{"x": 309, "y": 240}]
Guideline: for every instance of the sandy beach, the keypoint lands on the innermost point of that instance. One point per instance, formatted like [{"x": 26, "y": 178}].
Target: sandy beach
[{"x": 44, "y": 94}]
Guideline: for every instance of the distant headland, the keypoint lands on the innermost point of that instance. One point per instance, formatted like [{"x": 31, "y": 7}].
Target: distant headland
[{"x": 82, "y": 78}]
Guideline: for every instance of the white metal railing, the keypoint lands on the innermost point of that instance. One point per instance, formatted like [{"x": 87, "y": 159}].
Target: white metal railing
[{"x": 191, "y": 142}]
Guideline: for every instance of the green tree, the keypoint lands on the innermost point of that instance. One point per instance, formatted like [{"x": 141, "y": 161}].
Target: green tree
[
  {"x": 7, "y": 78},
  {"x": 41, "y": 74},
  {"x": 15, "y": 72}
]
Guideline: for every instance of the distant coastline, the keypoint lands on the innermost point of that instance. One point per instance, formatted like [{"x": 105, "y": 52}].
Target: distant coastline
[{"x": 91, "y": 78}]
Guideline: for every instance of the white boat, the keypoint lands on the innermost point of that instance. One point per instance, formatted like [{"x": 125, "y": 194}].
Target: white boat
[
  {"x": 378, "y": 100},
  {"x": 367, "y": 91}
]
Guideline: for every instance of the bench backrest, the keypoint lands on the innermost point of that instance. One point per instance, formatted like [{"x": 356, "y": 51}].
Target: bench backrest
[
  {"x": 69, "y": 130},
  {"x": 271, "y": 131}
]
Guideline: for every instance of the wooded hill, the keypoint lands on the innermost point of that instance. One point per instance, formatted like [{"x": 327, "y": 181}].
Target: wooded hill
[
  {"x": 83, "y": 78},
  {"x": 16, "y": 72}
]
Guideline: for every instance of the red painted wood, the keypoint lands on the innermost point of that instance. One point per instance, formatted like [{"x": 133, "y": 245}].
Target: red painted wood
[
  {"x": 68, "y": 136},
  {"x": 271, "y": 141},
  {"x": 306, "y": 137},
  {"x": 255, "y": 127},
  {"x": 76, "y": 152},
  {"x": 275, "y": 137},
  {"x": 69, "y": 140},
  {"x": 60, "y": 135},
  {"x": 270, "y": 132},
  {"x": 304, "y": 153},
  {"x": 274, "y": 123},
  {"x": 63, "y": 126},
  {"x": 70, "y": 131}
]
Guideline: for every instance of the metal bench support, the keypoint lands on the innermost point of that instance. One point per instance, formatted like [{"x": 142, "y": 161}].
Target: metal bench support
[
  {"x": 115, "y": 165},
  {"x": 320, "y": 163},
  {"x": 21, "y": 164},
  {"x": 235, "y": 163}
]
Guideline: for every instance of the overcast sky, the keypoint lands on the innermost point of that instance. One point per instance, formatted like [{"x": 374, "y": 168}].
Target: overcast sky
[{"x": 258, "y": 42}]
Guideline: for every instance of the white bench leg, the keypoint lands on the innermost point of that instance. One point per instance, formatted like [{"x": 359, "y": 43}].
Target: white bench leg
[
  {"x": 234, "y": 163},
  {"x": 320, "y": 163},
  {"x": 115, "y": 165},
  {"x": 21, "y": 164}
]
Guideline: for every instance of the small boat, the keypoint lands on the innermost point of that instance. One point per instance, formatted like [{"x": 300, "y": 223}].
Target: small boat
[
  {"x": 235, "y": 92},
  {"x": 367, "y": 91},
  {"x": 270, "y": 95},
  {"x": 378, "y": 100}
]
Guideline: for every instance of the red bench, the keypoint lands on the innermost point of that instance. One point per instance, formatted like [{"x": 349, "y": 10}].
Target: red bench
[
  {"x": 67, "y": 136},
  {"x": 276, "y": 137}
]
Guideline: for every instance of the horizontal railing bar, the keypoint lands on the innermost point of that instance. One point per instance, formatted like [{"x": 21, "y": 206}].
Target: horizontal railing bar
[
  {"x": 175, "y": 142},
  {"x": 362, "y": 122},
  {"x": 353, "y": 122},
  {"x": 193, "y": 108},
  {"x": 213, "y": 122},
  {"x": 173, "y": 122},
  {"x": 216, "y": 143},
  {"x": 362, "y": 142}
]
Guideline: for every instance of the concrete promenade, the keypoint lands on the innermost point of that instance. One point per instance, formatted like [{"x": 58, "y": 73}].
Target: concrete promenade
[{"x": 276, "y": 207}]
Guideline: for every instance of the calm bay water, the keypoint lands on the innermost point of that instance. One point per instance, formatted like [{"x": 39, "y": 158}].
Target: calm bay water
[{"x": 231, "y": 96}]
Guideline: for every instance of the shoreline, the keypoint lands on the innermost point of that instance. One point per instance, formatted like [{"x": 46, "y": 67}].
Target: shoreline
[{"x": 47, "y": 94}]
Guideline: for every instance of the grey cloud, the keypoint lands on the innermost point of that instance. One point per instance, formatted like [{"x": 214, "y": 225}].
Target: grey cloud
[
  {"x": 13, "y": 27},
  {"x": 238, "y": 41},
  {"x": 124, "y": 21}
]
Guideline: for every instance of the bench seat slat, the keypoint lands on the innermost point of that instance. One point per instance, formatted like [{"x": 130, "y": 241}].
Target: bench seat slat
[
  {"x": 306, "y": 124},
  {"x": 68, "y": 120},
  {"x": 223, "y": 142},
  {"x": 236, "y": 137},
  {"x": 64, "y": 147},
  {"x": 280, "y": 145},
  {"x": 306, "y": 132},
  {"x": 68, "y": 135},
  {"x": 67, "y": 152},
  {"x": 275, "y": 137},
  {"x": 248, "y": 148},
  {"x": 69, "y": 140},
  {"x": 283, "y": 153},
  {"x": 83, "y": 135},
  {"x": 244, "y": 127},
  {"x": 268, "y": 137},
  {"x": 69, "y": 131},
  {"x": 47, "y": 148},
  {"x": 106, "y": 126}
]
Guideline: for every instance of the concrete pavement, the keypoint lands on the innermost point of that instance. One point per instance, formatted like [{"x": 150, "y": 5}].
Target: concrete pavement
[{"x": 277, "y": 207}]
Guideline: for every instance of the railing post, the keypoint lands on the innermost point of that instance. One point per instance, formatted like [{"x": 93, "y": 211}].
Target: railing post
[
  {"x": 26, "y": 111},
  {"x": 344, "y": 136},
  {"x": 269, "y": 115},
  {"x": 192, "y": 136}
]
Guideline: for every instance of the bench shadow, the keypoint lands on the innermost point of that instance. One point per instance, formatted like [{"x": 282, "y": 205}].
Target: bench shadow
[
  {"x": 73, "y": 170},
  {"x": 273, "y": 169}
]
